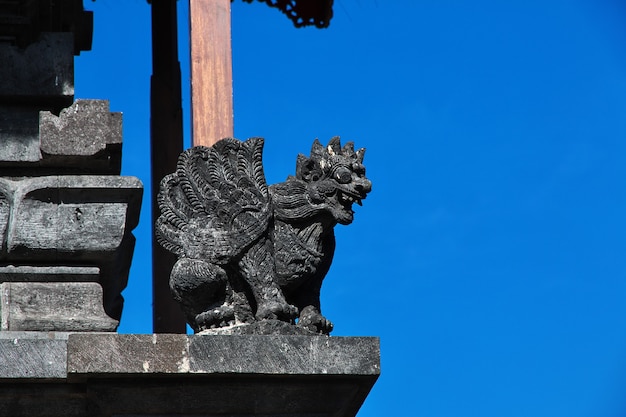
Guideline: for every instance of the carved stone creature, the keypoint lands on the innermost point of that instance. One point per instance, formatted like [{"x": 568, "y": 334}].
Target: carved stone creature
[{"x": 248, "y": 251}]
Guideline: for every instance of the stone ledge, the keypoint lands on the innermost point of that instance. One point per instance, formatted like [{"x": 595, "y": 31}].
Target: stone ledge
[
  {"x": 28, "y": 358},
  {"x": 235, "y": 376},
  {"x": 32, "y": 355},
  {"x": 104, "y": 355}
]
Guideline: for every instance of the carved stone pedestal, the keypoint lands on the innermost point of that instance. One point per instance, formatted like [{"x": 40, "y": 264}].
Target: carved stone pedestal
[{"x": 90, "y": 374}]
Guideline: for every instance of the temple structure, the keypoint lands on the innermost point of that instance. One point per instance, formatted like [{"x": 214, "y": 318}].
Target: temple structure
[{"x": 67, "y": 216}]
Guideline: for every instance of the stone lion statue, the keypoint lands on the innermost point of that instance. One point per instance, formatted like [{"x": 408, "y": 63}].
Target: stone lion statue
[{"x": 249, "y": 252}]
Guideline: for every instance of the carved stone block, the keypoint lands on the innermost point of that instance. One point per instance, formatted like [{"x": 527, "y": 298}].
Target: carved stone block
[
  {"x": 56, "y": 221},
  {"x": 84, "y": 134},
  {"x": 84, "y": 138},
  {"x": 76, "y": 217},
  {"x": 66, "y": 307}
]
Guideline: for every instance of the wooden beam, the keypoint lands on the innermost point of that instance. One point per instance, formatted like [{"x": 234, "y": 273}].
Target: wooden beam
[
  {"x": 166, "y": 143},
  {"x": 211, "y": 71}
]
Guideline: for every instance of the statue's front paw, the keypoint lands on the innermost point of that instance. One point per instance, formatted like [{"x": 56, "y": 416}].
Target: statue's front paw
[
  {"x": 311, "y": 319},
  {"x": 274, "y": 310},
  {"x": 221, "y": 316}
]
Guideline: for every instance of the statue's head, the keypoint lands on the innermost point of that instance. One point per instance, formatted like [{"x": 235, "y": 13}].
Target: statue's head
[{"x": 335, "y": 177}]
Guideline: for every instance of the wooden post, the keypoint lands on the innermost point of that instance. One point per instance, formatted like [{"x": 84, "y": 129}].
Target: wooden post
[
  {"x": 211, "y": 71},
  {"x": 166, "y": 140},
  {"x": 211, "y": 111}
]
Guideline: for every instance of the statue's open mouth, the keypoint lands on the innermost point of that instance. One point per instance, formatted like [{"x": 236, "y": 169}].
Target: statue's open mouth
[
  {"x": 347, "y": 196},
  {"x": 347, "y": 199}
]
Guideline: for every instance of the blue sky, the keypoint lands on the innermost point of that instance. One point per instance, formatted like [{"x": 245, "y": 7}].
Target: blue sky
[{"x": 490, "y": 257}]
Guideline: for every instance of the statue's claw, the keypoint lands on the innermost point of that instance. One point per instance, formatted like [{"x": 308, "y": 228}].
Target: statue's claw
[
  {"x": 274, "y": 310},
  {"x": 216, "y": 317},
  {"x": 311, "y": 319}
]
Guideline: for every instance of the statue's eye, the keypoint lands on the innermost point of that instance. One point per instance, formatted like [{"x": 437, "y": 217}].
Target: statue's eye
[
  {"x": 358, "y": 169},
  {"x": 343, "y": 175}
]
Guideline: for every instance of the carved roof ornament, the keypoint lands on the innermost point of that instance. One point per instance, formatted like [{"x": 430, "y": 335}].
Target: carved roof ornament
[
  {"x": 304, "y": 12},
  {"x": 253, "y": 254}
]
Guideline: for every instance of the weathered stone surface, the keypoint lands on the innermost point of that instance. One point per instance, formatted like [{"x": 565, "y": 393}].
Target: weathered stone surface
[
  {"x": 102, "y": 354},
  {"x": 85, "y": 128},
  {"x": 44, "y": 228},
  {"x": 63, "y": 307},
  {"x": 84, "y": 135},
  {"x": 248, "y": 252},
  {"x": 44, "y": 217},
  {"x": 28, "y": 273},
  {"x": 84, "y": 138},
  {"x": 32, "y": 355},
  {"x": 284, "y": 355},
  {"x": 99, "y": 354},
  {"x": 43, "y": 72}
]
